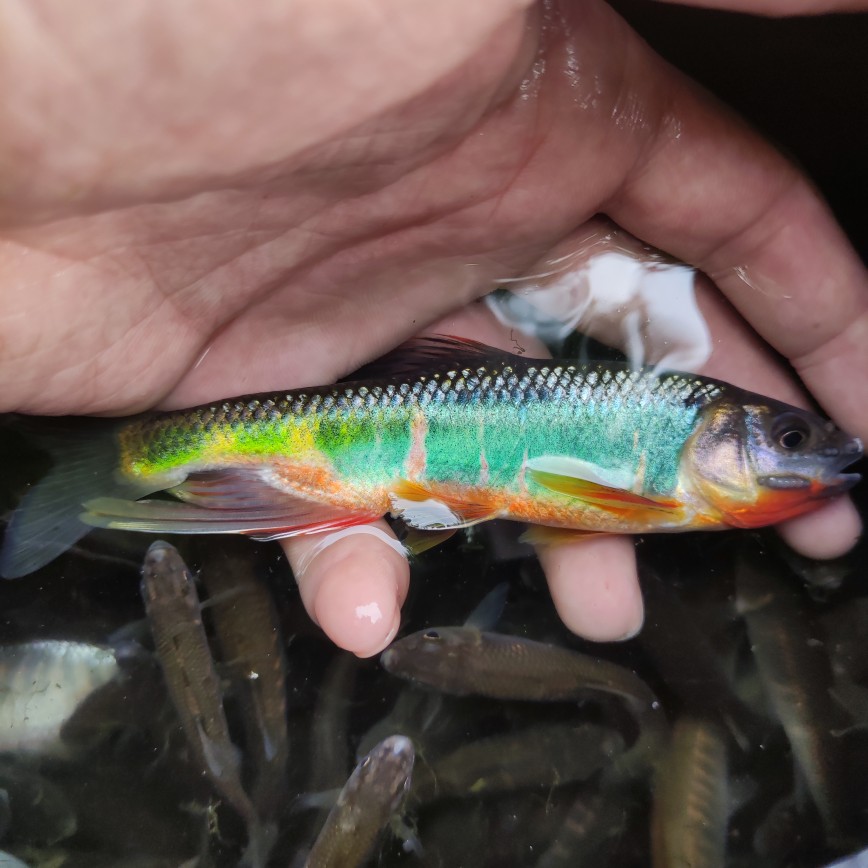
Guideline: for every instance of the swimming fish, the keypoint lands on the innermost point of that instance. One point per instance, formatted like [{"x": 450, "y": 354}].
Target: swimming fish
[
  {"x": 445, "y": 434},
  {"x": 691, "y": 798},
  {"x": 369, "y": 800},
  {"x": 247, "y": 631},
  {"x": 797, "y": 676},
  {"x": 536, "y": 757},
  {"x": 40, "y": 811},
  {"x": 466, "y": 661},
  {"x": 174, "y": 614},
  {"x": 592, "y": 822}
]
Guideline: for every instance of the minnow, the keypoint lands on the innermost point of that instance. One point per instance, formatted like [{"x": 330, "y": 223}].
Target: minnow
[
  {"x": 591, "y": 826},
  {"x": 329, "y": 748},
  {"x": 370, "y": 798},
  {"x": 686, "y": 660},
  {"x": 174, "y": 614},
  {"x": 538, "y": 757},
  {"x": 691, "y": 798},
  {"x": 465, "y": 661},
  {"x": 797, "y": 676},
  {"x": 248, "y": 633},
  {"x": 41, "y": 814},
  {"x": 448, "y": 434}
]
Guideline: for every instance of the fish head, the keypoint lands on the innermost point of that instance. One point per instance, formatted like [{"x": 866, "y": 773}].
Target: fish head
[
  {"x": 761, "y": 461},
  {"x": 387, "y": 768},
  {"x": 430, "y": 656}
]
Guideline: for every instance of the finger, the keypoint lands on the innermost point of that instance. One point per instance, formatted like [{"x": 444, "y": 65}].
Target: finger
[
  {"x": 712, "y": 192},
  {"x": 595, "y": 587},
  {"x": 352, "y": 583},
  {"x": 827, "y": 533}
]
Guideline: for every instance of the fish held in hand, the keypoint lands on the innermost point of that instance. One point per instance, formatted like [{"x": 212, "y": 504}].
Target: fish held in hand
[{"x": 443, "y": 434}]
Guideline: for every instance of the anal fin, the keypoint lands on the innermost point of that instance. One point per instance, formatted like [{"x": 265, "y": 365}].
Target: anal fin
[
  {"x": 417, "y": 541},
  {"x": 428, "y": 509}
]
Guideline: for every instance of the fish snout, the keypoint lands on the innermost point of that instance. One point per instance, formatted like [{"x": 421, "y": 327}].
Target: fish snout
[{"x": 854, "y": 448}]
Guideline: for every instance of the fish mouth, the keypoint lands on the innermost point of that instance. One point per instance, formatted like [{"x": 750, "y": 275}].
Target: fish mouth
[{"x": 848, "y": 453}]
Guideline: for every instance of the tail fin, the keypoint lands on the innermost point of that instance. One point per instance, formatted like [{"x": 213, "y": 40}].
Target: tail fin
[{"x": 46, "y": 522}]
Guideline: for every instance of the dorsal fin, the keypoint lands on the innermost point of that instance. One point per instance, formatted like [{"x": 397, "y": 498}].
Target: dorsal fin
[{"x": 420, "y": 354}]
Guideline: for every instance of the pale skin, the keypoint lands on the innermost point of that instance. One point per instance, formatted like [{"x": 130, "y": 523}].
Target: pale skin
[{"x": 206, "y": 199}]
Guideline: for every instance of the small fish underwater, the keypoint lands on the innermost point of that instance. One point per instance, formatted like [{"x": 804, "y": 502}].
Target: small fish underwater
[{"x": 443, "y": 433}]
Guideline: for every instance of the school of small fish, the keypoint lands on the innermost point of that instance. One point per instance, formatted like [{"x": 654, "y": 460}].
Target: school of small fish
[{"x": 213, "y": 726}]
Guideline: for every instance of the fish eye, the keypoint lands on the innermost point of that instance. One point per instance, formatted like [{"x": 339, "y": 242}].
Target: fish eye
[
  {"x": 792, "y": 438},
  {"x": 791, "y": 433},
  {"x": 431, "y": 635}
]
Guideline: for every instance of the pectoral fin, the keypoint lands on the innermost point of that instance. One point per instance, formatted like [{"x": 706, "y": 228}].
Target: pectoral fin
[{"x": 600, "y": 487}]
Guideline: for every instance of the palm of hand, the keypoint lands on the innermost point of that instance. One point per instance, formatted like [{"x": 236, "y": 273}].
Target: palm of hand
[{"x": 306, "y": 269}]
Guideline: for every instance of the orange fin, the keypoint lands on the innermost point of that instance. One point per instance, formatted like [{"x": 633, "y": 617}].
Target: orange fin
[
  {"x": 583, "y": 481},
  {"x": 541, "y": 535},
  {"x": 419, "y": 507}
]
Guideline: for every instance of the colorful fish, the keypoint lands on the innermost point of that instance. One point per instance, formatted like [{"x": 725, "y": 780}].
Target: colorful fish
[{"x": 444, "y": 434}]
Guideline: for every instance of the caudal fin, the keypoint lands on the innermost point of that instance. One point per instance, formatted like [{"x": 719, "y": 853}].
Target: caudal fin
[{"x": 46, "y": 522}]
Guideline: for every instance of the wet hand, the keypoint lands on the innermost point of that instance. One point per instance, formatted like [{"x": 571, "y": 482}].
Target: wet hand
[{"x": 188, "y": 212}]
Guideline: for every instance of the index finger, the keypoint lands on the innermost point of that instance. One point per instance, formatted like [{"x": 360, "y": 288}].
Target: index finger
[{"x": 714, "y": 193}]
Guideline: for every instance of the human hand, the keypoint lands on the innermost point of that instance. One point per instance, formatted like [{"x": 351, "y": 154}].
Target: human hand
[{"x": 189, "y": 213}]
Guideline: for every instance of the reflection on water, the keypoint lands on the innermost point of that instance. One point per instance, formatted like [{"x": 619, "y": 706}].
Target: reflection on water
[{"x": 757, "y": 661}]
